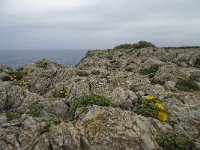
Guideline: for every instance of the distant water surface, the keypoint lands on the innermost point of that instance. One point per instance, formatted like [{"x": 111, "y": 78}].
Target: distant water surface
[{"x": 17, "y": 58}]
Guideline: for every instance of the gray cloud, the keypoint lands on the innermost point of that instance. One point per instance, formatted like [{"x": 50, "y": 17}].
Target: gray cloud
[{"x": 89, "y": 24}]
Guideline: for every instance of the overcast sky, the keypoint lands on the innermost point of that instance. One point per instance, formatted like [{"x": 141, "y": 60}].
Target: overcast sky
[{"x": 97, "y": 24}]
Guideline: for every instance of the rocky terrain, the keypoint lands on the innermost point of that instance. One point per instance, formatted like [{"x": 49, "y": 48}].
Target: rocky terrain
[{"x": 116, "y": 99}]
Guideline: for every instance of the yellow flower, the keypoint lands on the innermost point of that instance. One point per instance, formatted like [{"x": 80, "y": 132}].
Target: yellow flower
[
  {"x": 162, "y": 116},
  {"x": 62, "y": 91},
  {"x": 150, "y": 98},
  {"x": 160, "y": 106},
  {"x": 11, "y": 78},
  {"x": 157, "y": 101},
  {"x": 24, "y": 83}
]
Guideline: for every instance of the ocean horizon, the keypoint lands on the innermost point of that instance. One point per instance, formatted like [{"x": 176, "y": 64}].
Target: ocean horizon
[{"x": 18, "y": 58}]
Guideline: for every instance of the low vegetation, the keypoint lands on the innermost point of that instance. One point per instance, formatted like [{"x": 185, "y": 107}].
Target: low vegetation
[
  {"x": 186, "y": 85},
  {"x": 151, "y": 71},
  {"x": 17, "y": 75},
  {"x": 13, "y": 115},
  {"x": 151, "y": 107},
  {"x": 140, "y": 44},
  {"x": 60, "y": 93},
  {"x": 170, "y": 141},
  {"x": 35, "y": 110},
  {"x": 92, "y": 99},
  {"x": 42, "y": 64}
]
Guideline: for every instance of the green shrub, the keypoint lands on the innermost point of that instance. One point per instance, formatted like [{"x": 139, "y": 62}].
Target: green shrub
[
  {"x": 35, "y": 110},
  {"x": 82, "y": 73},
  {"x": 170, "y": 141},
  {"x": 147, "y": 110},
  {"x": 151, "y": 107},
  {"x": 91, "y": 99},
  {"x": 142, "y": 44},
  {"x": 123, "y": 46},
  {"x": 51, "y": 122},
  {"x": 151, "y": 71},
  {"x": 42, "y": 64},
  {"x": 186, "y": 85},
  {"x": 13, "y": 115}
]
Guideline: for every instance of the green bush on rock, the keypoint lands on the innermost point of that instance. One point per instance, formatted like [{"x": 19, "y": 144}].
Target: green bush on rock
[
  {"x": 151, "y": 107},
  {"x": 170, "y": 141},
  {"x": 186, "y": 85},
  {"x": 140, "y": 44},
  {"x": 92, "y": 99},
  {"x": 13, "y": 115},
  {"x": 35, "y": 110},
  {"x": 151, "y": 71}
]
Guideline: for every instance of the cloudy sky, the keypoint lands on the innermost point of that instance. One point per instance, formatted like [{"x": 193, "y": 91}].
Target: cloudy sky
[{"x": 97, "y": 24}]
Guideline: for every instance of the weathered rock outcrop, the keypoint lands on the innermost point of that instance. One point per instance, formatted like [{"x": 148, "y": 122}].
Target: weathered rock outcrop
[{"x": 36, "y": 100}]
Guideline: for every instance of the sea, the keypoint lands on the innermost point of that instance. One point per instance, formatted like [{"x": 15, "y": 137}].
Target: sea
[{"x": 18, "y": 58}]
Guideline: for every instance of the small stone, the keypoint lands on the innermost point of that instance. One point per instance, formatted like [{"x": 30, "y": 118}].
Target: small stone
[
  {"x": 140, "y": 93},
  {"x": 170, "y": 85}
]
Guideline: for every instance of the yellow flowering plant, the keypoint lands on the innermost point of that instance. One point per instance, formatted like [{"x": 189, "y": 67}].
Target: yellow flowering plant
[
  {"x": 12, "y": 76},
  {"x": 21, "y": 83},
  {"x": 159, "y": 106},
  {"x": 150, "y": 98},
  {"x": 60, "y": 93},
  {"x": 162, "y": 116},
  {"x": 152, "y": 107}
]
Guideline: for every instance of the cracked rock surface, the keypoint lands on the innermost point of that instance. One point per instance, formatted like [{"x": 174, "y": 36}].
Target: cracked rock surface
[{"x": 122, "y": 76}]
